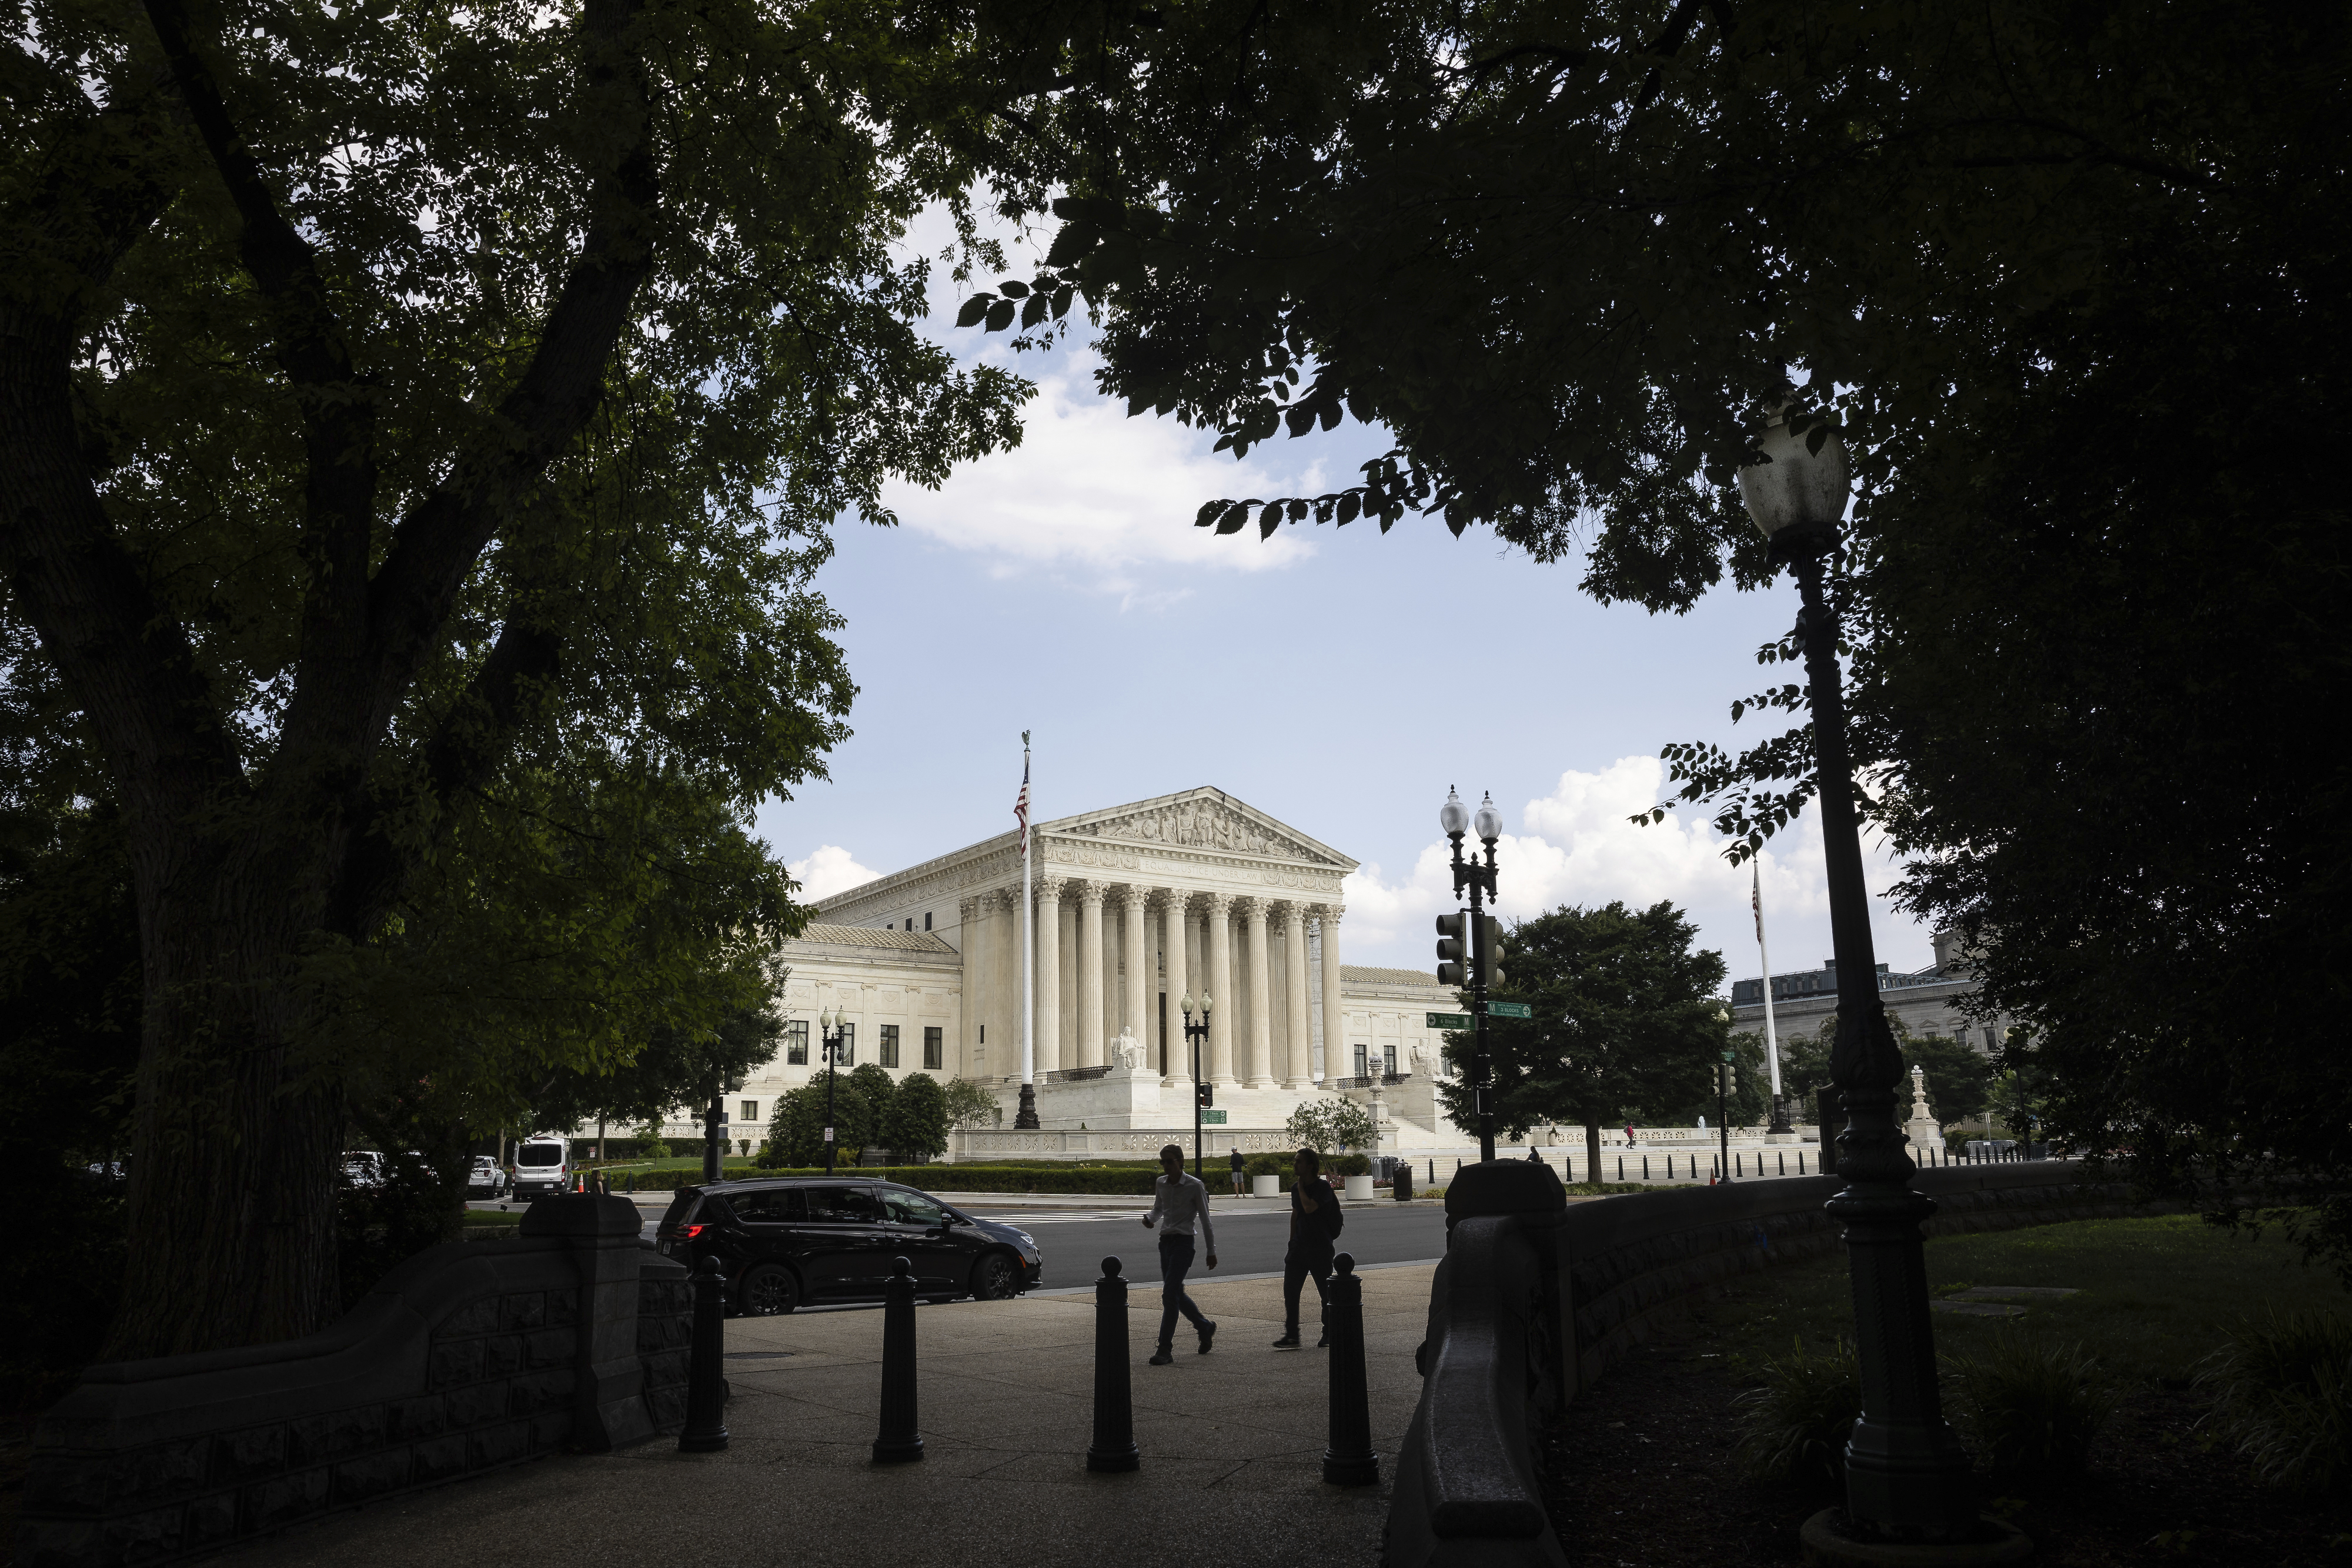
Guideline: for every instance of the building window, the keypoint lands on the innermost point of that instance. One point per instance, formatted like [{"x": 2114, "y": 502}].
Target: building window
[
  {"x": 796, "y": 1043},
  {"x": 751, "y": 1110},
  {"x": 848, "y": 1044},
  {"x": 927, "y": 920},
  {"x": 910, "y": 923},
  {"x": 983, "y": 1034},
  {"x": 890, "y": 1040},
  {"x": 935, "y": 1048},
  {"x": 1388, "y": 1057},
  {"x": 1363, "y": 1065}
]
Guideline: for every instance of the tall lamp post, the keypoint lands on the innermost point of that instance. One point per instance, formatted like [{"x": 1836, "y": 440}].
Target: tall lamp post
[
  {"x": 714, "y": 1130},
  {"x": 1455, "y": 817},
  {"x": 828, "y": 1023},
  {"x": 1907, "y": 1476},
  {"x": 1203, "y": 1091}
]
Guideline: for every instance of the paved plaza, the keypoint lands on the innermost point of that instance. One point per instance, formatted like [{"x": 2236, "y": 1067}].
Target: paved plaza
[{"x": 1232, "y": 1443}]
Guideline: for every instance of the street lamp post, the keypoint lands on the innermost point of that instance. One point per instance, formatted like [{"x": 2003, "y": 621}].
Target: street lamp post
[
  {"x": 1194, "y": 1034},
  {"x": 1453, "y": 817},
  {"x": 829, "y": 1024},
  {"x": 714, "y": 1130},
  {"x": 1907, "y": 1476}
]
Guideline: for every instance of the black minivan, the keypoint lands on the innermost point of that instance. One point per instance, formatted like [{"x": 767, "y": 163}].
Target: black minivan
[{"x": 793, "y": 1240}]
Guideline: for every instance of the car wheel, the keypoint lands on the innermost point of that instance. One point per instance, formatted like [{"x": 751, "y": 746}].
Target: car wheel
[
  {"x": 992, "y": 1279},
  {"x": 767, "y": 1290}
]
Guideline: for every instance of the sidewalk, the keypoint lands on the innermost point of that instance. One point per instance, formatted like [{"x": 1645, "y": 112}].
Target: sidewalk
[{"x": 1233, "y": 1446}]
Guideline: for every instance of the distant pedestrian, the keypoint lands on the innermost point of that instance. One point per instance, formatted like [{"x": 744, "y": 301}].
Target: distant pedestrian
[
  {"x": 1237, "y": 1173},
  {"x": 1313, "y": 1227},
  {"x": 1179, "y": 1202},
  {"x": 1629, "y": 1135}
]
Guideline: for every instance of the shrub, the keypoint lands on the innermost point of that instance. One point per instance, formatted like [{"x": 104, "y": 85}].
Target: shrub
[
  {"x": 2285, "y": 1398},
  {"x": 916, "y": 1125},
  {"x": 2028, "y": 1405},
  {"x": 1794, "y": 1423}
]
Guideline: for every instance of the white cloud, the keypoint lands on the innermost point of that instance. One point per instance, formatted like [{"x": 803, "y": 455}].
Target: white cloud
[
  {"x": 1103, "y": 499},
  {"x": 830, "y": 870},
  {"x": 1578, "y": 845}
]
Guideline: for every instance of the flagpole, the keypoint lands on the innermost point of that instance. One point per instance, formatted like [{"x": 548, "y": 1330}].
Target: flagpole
[
  {"x": 1027, "y": 1114},
  {"x": 1771, "y": 1035}
]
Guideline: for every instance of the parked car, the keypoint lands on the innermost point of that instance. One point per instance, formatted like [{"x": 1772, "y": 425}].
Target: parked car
[
  {"x": 789, "y": 1241},
  {"x": 364, "y": 1167},
  {"x": 486, "y": 1179}
]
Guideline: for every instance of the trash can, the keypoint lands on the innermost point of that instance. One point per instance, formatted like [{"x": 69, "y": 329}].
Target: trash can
[
  {"x": 1360, "y": 1188},
  {"x": 1266, "y": 1186}
]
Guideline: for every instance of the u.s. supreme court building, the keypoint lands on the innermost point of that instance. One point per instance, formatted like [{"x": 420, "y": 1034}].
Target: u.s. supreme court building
[{"x": 1132, "y": 906}]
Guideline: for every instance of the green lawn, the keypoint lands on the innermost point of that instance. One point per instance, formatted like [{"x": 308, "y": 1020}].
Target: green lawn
[{"x": 2156, "y": 1294}]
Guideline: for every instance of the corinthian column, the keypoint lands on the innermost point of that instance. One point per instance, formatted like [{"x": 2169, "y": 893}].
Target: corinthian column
[
  {"x": 1140, "y": 982},
  {"x": 1261, "y": 999},
  {"x": 1218, "y": 982},
  {"x": 1299, "y": 1074},
  {"x": 972, "y": 912},
  {"x": 1090, "y": 974},
  {"x": 1176, "y": 1059},
  {"x": 1049, "y": 973},
  {"x": 1335, "y": 1017}
]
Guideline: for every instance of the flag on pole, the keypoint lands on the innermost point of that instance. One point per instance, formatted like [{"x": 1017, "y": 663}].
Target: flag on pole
[
  {"x": 1020, "y": 805},
  {"x": 1756, "y": 898}
]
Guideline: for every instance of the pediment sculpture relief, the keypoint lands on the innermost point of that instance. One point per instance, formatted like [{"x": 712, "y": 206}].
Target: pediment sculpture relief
[{"x": 1200, "y": 825}]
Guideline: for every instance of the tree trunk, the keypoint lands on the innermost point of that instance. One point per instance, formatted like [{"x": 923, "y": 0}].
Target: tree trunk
[
  {"x": 1593, "y": 1151},
  {"x": 238, "y": 1132}
]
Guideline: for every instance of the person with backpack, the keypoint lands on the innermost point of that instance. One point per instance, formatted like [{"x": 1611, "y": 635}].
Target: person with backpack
[
  {"x": 1315, "y": 1222},
  {"x": 1238, "y": 1164}
]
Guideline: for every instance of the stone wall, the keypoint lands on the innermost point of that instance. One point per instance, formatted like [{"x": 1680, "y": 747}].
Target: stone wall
[{"x": 467, "y": 1357}]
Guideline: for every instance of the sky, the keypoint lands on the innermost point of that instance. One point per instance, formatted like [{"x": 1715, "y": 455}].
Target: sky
[{"x": 1337, "y": 679}]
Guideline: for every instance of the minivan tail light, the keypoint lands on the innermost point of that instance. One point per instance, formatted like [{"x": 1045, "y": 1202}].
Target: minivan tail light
[{"x": 691, "y": 1232}]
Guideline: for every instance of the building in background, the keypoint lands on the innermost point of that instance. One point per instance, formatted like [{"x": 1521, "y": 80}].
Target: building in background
[
  {"x": 1931, "y": 1001},
  {"x": 1132, "y": 907}
]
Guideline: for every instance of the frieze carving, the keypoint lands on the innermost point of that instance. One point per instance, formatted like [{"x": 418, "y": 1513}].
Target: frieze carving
[
  {"x": 1068, "y": 852},
  {"x": 1202, "y": 825}
]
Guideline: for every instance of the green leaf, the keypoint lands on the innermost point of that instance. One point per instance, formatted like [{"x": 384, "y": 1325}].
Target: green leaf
[
  {"x": 973, "y": 309},
  {"x": 1000, "y": 315},
  {"x": 1013, "y": 289},
  {"x": 1033, "y": 312}
]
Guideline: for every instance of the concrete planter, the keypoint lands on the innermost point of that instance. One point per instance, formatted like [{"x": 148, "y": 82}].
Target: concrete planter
[
  {"x": 1266, "y": 1186},
  {"x": 1360, "y": 1188}
]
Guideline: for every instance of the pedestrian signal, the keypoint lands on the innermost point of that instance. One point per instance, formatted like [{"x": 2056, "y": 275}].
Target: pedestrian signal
[{"x": 1205, "y": 1094}]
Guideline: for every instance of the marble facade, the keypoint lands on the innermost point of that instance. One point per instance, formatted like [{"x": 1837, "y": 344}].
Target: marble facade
[{"x": 1131, "y": 907}]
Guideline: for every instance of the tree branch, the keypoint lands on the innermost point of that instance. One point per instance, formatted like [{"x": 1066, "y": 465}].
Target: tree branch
[
  {"x": 436, "y": 545},
  {"x": 1669, "y": 43},
  {"x": 338, "y": 409}
]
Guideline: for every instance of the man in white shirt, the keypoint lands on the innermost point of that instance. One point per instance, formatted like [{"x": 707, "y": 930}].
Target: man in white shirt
[{"x": 1179, "y": 1202}]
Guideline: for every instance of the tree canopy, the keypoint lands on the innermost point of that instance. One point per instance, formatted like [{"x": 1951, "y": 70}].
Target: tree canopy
[{"x": 1626, "y": 1018}]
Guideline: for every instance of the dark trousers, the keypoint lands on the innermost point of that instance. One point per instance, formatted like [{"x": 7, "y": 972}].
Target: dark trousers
[
  {"x": 1175, "y": 1261},
  {"x": 1299, "y": 1262}
]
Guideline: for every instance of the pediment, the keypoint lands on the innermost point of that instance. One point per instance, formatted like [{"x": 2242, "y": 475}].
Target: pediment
[{"x": 1205, "y": 820}]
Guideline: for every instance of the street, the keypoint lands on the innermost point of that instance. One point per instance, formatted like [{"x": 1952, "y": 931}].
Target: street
[{"x": 1251, "y": 1237}]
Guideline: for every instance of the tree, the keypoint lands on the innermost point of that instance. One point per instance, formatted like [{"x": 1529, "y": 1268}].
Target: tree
[
  {"x": 917, "y": 1124},
  {"x": 796, "y": 1127},
  {"x": 876, "y": 1090},
  {"x": 399, "y": 410},
  {"x": 970, "y": 1105},
  {"x": 2011, "y": 251},
  {"x": 1960, "y": 1077},
  {"x": 1624, "y": 1016},
  {"x": 1330, "y": 1125}
]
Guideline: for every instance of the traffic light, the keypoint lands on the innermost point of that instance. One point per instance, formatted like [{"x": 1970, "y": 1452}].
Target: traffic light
[
  {"x": 1490, "y": 952},
  {"x": 1451, "y": 930},
  {"x": 1205, "y": 1094},
  {"x": 1727, "y": 1081}
]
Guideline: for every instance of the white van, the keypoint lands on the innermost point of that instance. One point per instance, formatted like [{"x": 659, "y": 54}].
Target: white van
[{"x": 543, "y": 1165}]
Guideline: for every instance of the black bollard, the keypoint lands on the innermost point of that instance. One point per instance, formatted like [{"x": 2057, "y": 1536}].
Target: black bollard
[
  {"x": 1349, "y": 1461},
  {"x": 1114, "y": 1445},
  {"x": 901, "y": 1439},
  {"x": 706, "y": 1365}
]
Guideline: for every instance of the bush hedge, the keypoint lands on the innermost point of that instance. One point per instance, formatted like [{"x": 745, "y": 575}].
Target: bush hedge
[{"x": 1129, "y": 1178}]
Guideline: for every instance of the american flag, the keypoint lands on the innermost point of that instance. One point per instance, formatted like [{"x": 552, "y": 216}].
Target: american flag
[
  {"x": 1020, "y": 805},
  {"x": 1755, "y": 897}
]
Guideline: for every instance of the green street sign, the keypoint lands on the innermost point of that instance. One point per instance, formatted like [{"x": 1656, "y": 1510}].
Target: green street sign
[
  {"x": 1213, "y": 1118},
  {"x": 1510, "y": 1010},
  {"x": 1447, "y": 1020}
]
